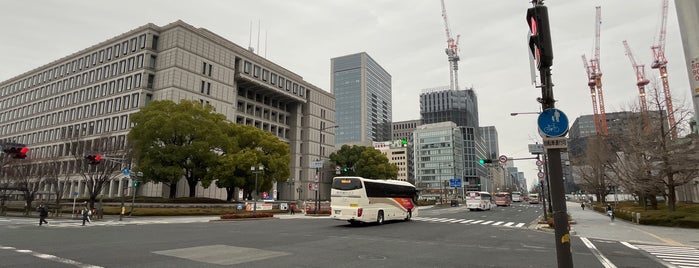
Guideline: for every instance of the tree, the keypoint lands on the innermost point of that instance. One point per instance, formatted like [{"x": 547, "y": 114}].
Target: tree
[
  {"x": 592, "y": 167},
  {"x": 172, "y": 141},
  {"x": 365, "y": 162},
  {"x": 670, "y": 161},
  {"x": 245, "y": 147}
]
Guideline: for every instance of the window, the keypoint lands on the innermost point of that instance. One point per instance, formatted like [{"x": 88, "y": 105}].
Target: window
[
  {"x": 128, "y": 82},
  {"x": 246, "y": 67},
  {"x": 101, "y": 56},
  {"x": 288, "y": 85},
  {"x": 265, "y": 74},
  {"x": 139, "y": 61},
  {"x": 116, "y": 50},
  {"x": 142, "y": 40},
  {"x": 125, "y": 47},
  {"x": 273, "y": 79},
  {"x": 133, "y": 44},
  {"x": 151, "y": 64},
  {"x": 256, "y": 71},
  {"x": 281, "y": 82},
  {"x": 203, "y": 67},
  {"x": 137, "y": 80}
]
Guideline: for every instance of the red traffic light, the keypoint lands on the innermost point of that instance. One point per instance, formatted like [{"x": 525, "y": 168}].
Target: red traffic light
[
  {"x": 98, "y": 158},
  {"x": 24, "y": 150}
]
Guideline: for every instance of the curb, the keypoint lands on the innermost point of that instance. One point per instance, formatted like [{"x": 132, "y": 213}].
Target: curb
[{"x": 245, "y": 219}]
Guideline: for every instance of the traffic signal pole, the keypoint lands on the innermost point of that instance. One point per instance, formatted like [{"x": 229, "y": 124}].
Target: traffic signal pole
[{"x": 542, "y": 49}]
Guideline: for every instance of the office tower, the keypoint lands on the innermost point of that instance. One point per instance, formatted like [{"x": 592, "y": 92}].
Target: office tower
[{"x": 362, "y": 90}]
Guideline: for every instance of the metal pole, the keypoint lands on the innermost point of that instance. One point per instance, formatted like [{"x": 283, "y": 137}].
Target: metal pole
[
  {"x": 254, "y": 197},
  {"x": 560, "y": 213},
  {"x": 133, "y": 200},
  {"x": 316, "y": 187},
  {"x": 121, "y": 189}
]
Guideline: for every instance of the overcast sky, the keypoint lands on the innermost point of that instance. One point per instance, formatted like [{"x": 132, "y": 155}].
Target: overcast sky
[{"x": 406, "y": 37}]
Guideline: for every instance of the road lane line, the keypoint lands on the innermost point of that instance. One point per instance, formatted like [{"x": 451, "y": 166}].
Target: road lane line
[
  {"x": 53, "y": 258},
  {"x": 519, "y": 225},
  {"x": 466, "y": 221},
  {"x": 477, "y": 221},
  {"x": 487, "y": 222},
  {"x": 498, "y": 223},
  {"x": 603, "y": 260},
  {"x": 508, "y": 224}
]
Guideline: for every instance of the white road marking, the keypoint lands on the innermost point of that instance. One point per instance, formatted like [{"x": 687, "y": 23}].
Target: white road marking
[{"x": 603, "y": 260}]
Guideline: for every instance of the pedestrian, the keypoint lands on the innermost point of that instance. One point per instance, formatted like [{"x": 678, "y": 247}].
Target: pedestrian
[
  {"x": 86, "y": 215},
  {"x": 43, "y": 213},
  {"x": 292, "y": 208},
  {"x": 582, "y": 205}
]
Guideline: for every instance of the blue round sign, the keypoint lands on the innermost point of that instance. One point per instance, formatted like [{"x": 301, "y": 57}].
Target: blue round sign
[{"x": 553, "y": 122}]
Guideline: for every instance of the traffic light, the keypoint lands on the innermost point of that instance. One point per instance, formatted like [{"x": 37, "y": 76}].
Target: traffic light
[
  {"x": 135, "y": 183},
  {"x": 18, "y": 151},
  {"x": 93, "y": 159},
  {"x": 485, "y": 161},
  {"x": 403, "y": 142},
  {"x": 540, "y": 39},
  {"x": 344, "y": 169}
]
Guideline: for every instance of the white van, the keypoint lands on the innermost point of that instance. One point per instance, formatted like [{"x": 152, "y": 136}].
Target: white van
[
  {"x": 479, "y": 201},
  {"x": 533, "y": 198}
]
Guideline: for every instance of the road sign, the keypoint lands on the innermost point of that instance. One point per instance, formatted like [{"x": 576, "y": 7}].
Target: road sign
[
  {"x": 315, "y": 178},
  {"x": 127, "y": 172},
  {"x": 75, "y": 193},
  {"x": 539, "y": 163},
  {"x": 315, "y": 186},
  {"x": 537, "y": 148},
  {"x": 455, "y": 183},
  {"x": 310, "y": 186},
  {"x": 502, "y": 159},
  {"x": 553, "y": 123},
  {"x": 540, "y": 175},
  {"x": 556, "y": 143},
  {"x": 316, "y": 164}
]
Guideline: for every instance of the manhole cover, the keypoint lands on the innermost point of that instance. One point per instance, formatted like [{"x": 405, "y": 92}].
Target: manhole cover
[{"x": 372, "y": 257}]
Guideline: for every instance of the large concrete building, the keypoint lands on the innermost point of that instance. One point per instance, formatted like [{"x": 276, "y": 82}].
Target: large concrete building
[
  {"x": 460, "y": 107},
  {"x": 438, "y": 150},
  {"x": 362, "y": 89},
  {"x": 94, "y": 91}
]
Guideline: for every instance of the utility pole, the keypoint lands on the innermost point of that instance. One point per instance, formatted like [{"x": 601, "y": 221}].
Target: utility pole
[{"x": 542, "y": 49}]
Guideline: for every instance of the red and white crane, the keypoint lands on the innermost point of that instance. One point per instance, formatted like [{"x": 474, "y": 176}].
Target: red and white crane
[
  {"x": 641, "y": 82},
  {"x": 452, "y": 51},
  {"x": 660, "y": 63},
  {"x": 594, "y": 79}
]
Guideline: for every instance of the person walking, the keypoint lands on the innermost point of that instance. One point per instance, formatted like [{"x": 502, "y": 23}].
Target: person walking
[
  {"x": 292, "y": 208},
  {"x": 610, "y": 211},
  {"x": 86, "y": 215},
  {"x": 582, "y": 205},
  {"x": 43, "y": 213}
]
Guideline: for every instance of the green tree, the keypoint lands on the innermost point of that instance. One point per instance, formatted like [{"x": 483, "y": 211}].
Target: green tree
[
  {"x": 365, "y": 162},
  {"x": 171, "y": 141},
  {"x": 246, "y": 147}
]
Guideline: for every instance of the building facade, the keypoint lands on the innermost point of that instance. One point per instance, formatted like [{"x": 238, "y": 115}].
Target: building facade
[
  {"x": 362, "y": 89},
  {"x": 438, "y": 150},
  {"x": 403, "y": 130},
  {"x": 397, "y": 153},
  {"x": 93, "y": 92},
  {"x": 460, "y": 107}
]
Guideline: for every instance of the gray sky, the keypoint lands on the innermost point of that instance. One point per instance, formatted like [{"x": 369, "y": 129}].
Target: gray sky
[{"x": 406, "y": 37}]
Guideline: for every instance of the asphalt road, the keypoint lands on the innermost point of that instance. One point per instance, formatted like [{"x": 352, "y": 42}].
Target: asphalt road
[{"x": 447, "y": 237}]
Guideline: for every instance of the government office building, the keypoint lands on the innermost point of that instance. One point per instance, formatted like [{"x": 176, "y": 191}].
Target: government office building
[{"x": 92, "y": 93}]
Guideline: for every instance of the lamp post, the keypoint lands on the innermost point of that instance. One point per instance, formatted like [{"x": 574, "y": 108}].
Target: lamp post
[
  {"x": 260, "y": 169},
  {"x": 515, "y": 114}
]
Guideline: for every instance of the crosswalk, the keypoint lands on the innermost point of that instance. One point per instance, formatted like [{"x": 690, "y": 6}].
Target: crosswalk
[
  {"x": 683, "y": 257},
  {"x": 73, "y": 223},
  {"x": 467, "y": 221}
]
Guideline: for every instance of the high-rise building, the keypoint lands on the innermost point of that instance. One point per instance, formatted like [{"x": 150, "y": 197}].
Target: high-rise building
[
  {"x": 492, "y": 147},
  {"x": 91, "y": 94},
  {"x": 461, "y": 108},
  {"x": 403, "y": 130},
  {"x": 363, "y": 107},
  {"x": 438, "y": 150}
]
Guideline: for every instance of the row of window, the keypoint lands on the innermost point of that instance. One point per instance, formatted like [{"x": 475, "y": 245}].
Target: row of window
[
  {"x": 104, "y": 107},
  {"x": 113, "y": 70},
  {"x": 58, "y": 102},
  {"x": 56, "y": 151},
  {"x": 274, "y": 79},
  {"x": 77, "y": 65},
  {"x": 106, "y": 125}
]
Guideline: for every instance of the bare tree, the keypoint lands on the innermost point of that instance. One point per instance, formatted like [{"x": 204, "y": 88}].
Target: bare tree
[
  {"x": 593, "y": 167},
  {"x": 650, "y": 159}
]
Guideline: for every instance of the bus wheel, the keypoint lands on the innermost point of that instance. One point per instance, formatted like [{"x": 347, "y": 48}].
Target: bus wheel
[{"x": 379, "y": 218}]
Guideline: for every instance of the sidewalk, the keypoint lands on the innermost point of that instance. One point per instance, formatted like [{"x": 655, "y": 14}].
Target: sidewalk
[{"x": 592, "y": 224}]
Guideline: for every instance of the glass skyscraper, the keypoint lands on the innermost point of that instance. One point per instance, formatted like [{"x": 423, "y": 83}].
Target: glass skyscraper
[{"x": 363, "y": 107}]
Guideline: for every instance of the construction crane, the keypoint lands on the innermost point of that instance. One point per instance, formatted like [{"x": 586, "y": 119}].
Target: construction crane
[
  {"x": 591, "y": 82},
  {"x": 660, "y": 63},
  {"x": 452, "y": 51},
  {"x": 594, "y": 79},
  {"x": 641, "y": 82}
]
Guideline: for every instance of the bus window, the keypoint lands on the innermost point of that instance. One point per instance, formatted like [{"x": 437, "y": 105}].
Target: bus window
[{"x": 347, "y": 184}]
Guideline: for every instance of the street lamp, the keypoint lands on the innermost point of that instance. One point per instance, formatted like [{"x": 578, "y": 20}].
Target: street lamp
[
  {"x": 260, "y": 169},
  {"x": 515, "y": 114}
]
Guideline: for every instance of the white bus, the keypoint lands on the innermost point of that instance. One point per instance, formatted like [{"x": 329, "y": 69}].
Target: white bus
[
  {"x": 361, "y": 200},
  {"x": 516, "y": 196},
  {"x": 479, "y": 201}
]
